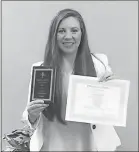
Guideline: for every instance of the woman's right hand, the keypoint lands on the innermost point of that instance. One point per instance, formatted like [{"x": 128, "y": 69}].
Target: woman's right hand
[{"x": 34, "y": 108}]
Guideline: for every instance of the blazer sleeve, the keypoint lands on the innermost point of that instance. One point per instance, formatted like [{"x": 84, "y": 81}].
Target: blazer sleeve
[{"x": 24, "y": 118}]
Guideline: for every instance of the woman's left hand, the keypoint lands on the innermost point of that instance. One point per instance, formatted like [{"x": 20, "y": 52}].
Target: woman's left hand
[{"x": 106, "y": 77}]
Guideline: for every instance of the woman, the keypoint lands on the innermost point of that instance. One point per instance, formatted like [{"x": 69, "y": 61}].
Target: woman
[{"x": 67, "y": 50}]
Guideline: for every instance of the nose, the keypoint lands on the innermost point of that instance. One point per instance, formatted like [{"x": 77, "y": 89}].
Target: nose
[{"x": 68, "y": 35}]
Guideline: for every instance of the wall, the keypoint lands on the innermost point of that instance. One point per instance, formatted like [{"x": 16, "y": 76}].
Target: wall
[
  {"x": 112, "y": 29},
  {"x": 0, "y": 75}
]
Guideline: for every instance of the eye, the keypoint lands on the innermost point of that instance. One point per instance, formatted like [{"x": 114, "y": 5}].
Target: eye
[
  {"x": 61, "y": 31},
  {"x": 74, "y": 30}
]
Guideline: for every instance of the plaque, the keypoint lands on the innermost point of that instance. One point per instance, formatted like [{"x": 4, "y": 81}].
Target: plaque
[{"x": 43, "y": 84}]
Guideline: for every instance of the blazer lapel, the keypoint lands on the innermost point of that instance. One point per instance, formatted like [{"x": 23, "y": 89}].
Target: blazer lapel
[{"x": 105, "y": 136}]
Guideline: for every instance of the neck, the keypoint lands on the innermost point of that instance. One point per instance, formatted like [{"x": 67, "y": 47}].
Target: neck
[{"x": 67, "y": 62}]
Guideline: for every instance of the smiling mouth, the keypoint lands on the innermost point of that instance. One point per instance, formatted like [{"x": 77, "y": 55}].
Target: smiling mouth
[{"x": 68, "y": 44}]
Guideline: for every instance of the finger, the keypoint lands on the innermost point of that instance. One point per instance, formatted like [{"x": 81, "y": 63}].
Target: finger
[
  {"x": 102, "y": 79},
  {"x": 37, "y": 106},
  {"x": 110, "y": 78},
  {"x": 37, "y": 102},
  {"x": 39, "y": 109},
  {"x": 36, "y": 111}
]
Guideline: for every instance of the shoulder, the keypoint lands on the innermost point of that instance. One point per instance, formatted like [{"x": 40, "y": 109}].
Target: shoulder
[
  {"x": 37, "y": 63},
  {"x": 100, "y": 57},
  {"x": 100, "y": 60}
]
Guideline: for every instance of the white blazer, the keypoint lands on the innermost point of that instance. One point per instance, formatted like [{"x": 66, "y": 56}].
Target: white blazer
[{"x": 105, "y": 136}]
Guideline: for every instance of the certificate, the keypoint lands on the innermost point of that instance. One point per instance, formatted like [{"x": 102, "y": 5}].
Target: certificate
[
  {"x": 90, "y": 101},
  {"x": 43, "y": 84}
]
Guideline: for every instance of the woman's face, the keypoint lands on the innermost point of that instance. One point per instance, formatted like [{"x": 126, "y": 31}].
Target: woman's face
[{"x": 69, "y": 35}]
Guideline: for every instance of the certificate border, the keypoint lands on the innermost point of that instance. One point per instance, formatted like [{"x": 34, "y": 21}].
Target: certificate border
[{"x": 121, "y": 119}]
